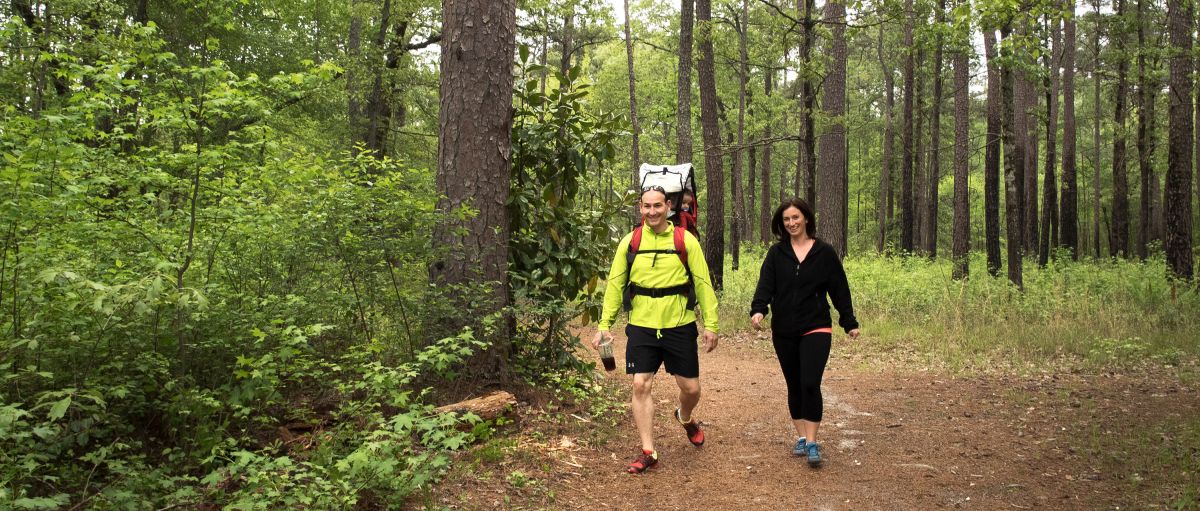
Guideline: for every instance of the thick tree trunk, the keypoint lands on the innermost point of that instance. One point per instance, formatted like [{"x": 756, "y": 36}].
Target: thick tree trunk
[
  {"x": 919, "y": 184},
  {"x": 1069, "y": 211},
  {"x": 474, "y": 152},
  {"x": 831, "y": 199},
  {"x": 960, "y": 251},
  {"x": 991, "y": 159},
  {"x": 568, "y": 39},
  {"x": 906, "y": 143},
  {"x": 1177, "y": 201},
  {"x": 1029, "y": 171},
  {"x": 889, "y": 135},
  {"x": 683, "y": 85},
  {"x": 714, "y": 219},
  {"x": 1120, "y": 209},
  {"x": 1049, "y": 187},
  {"x": 636, "y": 158},
  {"x": 1013, "y": 159}
]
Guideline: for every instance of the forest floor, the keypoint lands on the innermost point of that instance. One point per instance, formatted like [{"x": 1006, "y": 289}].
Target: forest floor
[{"x": 894, "y": 436}]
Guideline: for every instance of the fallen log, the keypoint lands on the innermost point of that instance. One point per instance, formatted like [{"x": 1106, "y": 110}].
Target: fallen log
[{"x": 487, "y": 407}]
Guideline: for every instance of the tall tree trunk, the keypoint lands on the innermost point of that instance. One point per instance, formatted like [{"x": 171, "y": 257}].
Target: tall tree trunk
[
  {"x": 806, "y": 163},
  {"x": 1013, "y": 159},
  {"x": 1049, "y": 186},
  {"x": 1120, "y": 203},
  {"x": 474, "y": 153},
  {"x": 991, "y": 159},
  {"x": 354, "y": 113},
  {"x": 764, "y": 209},
  {"x": 683, "y": 85},
  {"x": 920, "y": 186},
  {"x": 738, "y": 228},
  {"x": 1177, "y": 200},
  {"x": 935, "y": 140},
  {"x": 1069, "y": 211},
  {"x": 960, "y": 251},
  {"x": 1029, "y": 171},
  {"x": 832, "y": 200},
  {"x": 714, "y": 224},
  {"x": 889, "y": 135},
  {"x": 633, "y": 119},
  {"x": 1096, "y": 135},
  {"x": 906, "y": 143},
  {"x": 1147, "y": 90}
]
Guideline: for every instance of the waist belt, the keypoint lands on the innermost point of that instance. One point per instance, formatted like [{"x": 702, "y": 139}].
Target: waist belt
[{"x": 659, "y": 292}]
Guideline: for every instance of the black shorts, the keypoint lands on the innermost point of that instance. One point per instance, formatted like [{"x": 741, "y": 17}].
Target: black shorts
[{"x": 677, "y": 349}]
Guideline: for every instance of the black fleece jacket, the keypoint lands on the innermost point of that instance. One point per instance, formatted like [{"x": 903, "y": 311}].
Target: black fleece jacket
[{"x": 795, "y": 291}]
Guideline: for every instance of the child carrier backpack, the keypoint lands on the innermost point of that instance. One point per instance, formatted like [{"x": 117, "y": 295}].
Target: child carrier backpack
[{"x": 675, "y": 180}]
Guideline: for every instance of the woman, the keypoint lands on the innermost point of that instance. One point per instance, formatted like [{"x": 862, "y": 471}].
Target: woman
[{"x": 796, "y": 275}]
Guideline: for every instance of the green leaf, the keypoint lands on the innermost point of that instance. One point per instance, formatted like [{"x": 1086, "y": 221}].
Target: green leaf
[{"x": 59, "y": 409}]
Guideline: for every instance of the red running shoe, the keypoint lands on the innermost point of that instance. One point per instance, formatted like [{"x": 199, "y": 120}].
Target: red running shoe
[
  {"x": 694, "y": 433},
  {"x": 643, "y": 462}
]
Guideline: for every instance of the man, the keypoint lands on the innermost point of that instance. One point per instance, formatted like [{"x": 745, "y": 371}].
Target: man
[{"x": 657, "y": 287}]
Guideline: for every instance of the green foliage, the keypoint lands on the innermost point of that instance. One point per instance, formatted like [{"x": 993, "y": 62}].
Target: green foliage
[{"x": 560, "y": 242}]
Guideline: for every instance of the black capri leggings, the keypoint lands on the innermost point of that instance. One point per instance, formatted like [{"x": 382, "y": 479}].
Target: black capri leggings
[{"x": 803, "y": 362}]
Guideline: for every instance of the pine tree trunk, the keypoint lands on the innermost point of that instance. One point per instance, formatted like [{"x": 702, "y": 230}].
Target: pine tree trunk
[
  {"x": 1069, "y": 210},
  {"x": 906, "y": 143},
  {"x": 1013, "y": 159},
  {"x": 764, "y": 210},
  {"x": 1145, "y": 141},
  {"x": 1096, "y": 136},
  {"x": 683, "y": 85},
  {"x": 738, "y": 229},
  {"x": 889, "y": 136},
  {"x": 935, "y": 140},
  {"x": 1177, "y": 201},
  {"x": 991, "y": 159},
  {"x": 714, "y": 223},
  {"x": 1049, "y": 186},
  {"x": 474, "y": 150},
  {"x": 1120, "y": 210},
  {"x": 832, "y": 200},
  {"x": 961, "y": 244},
  {"x": 636, "y": 158}
]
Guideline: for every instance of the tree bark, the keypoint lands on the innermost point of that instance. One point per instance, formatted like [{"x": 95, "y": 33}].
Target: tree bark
[
  {"x": 1096, "y": 136},
  {"x": 1069, "y": 210},
  {"x": 714, "y": 223},
  {"x": 1147, "y": 90},
  {"x": 764, "y": 210},
  {"x": 1120, "y": 203},
  {"x": 889, "y": 136},
  {"x": 806, "y": 162},
  {"x": 991, "y": 160},
  {"x": 1013, "y": 159},
  {"x": 1177, "y": 200},
  {"x": 683, "y": 85},
  {"x": 1049, "y": 187},
  {"x": 474, "y": 153},
  {"x": 832, "y": 200},
  {"x": 738, "y": 227},
  {"x": 935, "y": 137},
  {"x": 906, "y": 143},
  {"x": 960, "y": 252},
  {"x": 636, "y": 158}
]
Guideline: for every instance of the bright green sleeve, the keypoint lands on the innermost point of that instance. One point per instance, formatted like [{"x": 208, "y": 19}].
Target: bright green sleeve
[
  {"x": 703, "y": 282},
  {"x": 614, "y": 287}
]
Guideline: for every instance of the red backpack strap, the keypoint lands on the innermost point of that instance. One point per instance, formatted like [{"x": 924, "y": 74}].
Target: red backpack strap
[
  {"x": 636, "y": 240},
  {"x": 681, "y": 247}
]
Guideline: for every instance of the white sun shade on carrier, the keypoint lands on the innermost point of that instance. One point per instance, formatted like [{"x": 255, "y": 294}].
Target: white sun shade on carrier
[{"x": 673, "y": 178}]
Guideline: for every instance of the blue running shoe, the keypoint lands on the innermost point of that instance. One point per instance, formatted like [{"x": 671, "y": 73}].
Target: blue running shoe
[
  {"x": 814, "y": 454},
  {"x": 801, "y": 447}
]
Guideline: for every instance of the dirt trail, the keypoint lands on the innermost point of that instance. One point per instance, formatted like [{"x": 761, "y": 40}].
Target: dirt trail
[{"x": 909, "y": 440}]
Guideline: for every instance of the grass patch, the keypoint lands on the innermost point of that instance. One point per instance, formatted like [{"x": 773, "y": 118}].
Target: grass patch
[{"x": 1095, "y": 314}]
